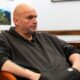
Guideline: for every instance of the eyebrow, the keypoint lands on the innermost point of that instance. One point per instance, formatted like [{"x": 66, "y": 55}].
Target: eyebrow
[{"x": 31, "y": 16}]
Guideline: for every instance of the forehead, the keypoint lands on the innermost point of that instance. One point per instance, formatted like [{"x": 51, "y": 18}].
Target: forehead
[
  {"x": 29, "y": 12},
  {"x": 24, "y": 10}
]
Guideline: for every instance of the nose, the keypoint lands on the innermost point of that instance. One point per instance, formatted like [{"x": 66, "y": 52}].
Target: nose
[{"x": 34, "y": 20}]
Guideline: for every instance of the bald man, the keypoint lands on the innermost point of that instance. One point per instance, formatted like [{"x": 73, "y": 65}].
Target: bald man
[
  {"x": 24, "y": 18},
  {"x": 32, "y": 55}
]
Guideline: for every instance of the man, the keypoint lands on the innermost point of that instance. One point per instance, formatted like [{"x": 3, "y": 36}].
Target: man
[{"x": 32, "y": 55}]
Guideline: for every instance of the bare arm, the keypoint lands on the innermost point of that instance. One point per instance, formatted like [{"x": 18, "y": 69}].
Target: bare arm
[
  {"x": 10, "y": 66},
  {"x": 75, "y": 60}
]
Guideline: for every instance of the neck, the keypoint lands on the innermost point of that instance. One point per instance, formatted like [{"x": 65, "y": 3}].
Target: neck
[
  {"x": 27, "y": 36},
  {"x": 24, "y": 34}
]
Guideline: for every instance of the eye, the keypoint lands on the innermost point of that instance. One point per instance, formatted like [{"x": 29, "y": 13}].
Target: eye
[{"x": 31, "y": 17}]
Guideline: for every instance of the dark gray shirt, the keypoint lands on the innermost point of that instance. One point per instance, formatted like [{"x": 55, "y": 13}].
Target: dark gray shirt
[{"x": 44, "y": 53}]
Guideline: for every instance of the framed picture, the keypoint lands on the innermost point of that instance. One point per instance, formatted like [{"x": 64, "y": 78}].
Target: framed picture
[
  {"x": 5, "y": 17},
  {"x": 63, "y": 0},
  {"x": 5, "y": 13}
]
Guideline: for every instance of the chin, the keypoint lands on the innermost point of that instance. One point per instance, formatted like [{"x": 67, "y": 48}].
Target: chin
[{"x": 32, "y": 32}]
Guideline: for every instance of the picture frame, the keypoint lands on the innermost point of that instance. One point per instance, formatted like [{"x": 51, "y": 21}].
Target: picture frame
[
  {"x": 5, "y": 13},
  {"x": 5, "y": 17},
  {"x": 63, "y": 0}
]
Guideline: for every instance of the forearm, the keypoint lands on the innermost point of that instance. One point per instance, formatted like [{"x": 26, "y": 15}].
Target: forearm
[
  {"x": 75, "y": 60},
  {"x": 9, "y": 66}
]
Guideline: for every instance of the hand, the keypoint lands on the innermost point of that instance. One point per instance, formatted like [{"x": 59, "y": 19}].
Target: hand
[
  {"x": 76, "y": 66},
  {"x": 75, "y": 60},
  {"x": 35, "y": 76}
]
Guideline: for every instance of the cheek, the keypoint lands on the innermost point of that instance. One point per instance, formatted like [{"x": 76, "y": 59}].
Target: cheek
[
  {"x": 28, "y": 23},
  {"x": 25, "y": 23}
]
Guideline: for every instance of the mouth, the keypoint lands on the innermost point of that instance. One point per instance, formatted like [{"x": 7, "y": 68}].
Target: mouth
[{"x": 34, "y": 27}]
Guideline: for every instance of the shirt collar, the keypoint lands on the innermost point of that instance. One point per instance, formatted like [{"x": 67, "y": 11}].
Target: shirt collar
[{"x": 12, "y": 31}]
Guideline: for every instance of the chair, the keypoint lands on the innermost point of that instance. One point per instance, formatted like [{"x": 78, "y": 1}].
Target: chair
[{"x": 6, "y": 76}]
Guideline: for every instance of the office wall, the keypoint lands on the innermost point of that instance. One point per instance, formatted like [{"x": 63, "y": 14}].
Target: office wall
[
  {"x": 58, "y": 15},
  {"x": 53, "y": 16}
]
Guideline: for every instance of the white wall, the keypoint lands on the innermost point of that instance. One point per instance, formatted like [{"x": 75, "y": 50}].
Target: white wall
[
  {"x": 53, "y": 16},
  {"x": 58, "y": 15}
]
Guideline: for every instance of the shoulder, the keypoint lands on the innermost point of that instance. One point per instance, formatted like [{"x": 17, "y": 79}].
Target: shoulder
[
  {"x": 3, "y": 35},
  {"x": 43, "y": 33},
  {"x": 3, "y": 32},
  {"x": 46, "y": 35}
]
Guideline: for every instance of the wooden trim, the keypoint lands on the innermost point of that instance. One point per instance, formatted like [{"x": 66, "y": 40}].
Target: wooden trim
[
  {"x": 64, "y": 32},
  {"x": 75, "y": 44}
]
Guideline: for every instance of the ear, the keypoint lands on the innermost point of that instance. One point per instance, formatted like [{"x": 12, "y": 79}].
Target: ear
[{"x": 16, "y": 21}]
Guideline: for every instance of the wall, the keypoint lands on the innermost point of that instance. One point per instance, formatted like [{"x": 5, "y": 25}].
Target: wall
[
  {"x": 58, "y": 15},
  {"x": 53, "y": 16}
]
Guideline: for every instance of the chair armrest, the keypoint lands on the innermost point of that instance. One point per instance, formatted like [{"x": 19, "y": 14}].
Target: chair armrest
[{"x": 6, "y": 76}]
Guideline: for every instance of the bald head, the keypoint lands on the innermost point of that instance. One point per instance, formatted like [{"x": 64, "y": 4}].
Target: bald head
[
  {"x": 20, "y": 9},
  {"x": 24, "y": 18}
]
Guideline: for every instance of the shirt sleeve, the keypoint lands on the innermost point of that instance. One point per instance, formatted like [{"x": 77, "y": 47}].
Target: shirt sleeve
[
  {"x": 4, "y": 52},
  {"x": 66, "y": 48}
]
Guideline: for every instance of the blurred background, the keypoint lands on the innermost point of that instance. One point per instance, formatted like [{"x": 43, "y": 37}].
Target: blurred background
[{"x": 64, "y": 15}]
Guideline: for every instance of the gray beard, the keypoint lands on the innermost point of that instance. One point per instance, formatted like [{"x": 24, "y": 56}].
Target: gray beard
[{"x": 31, "y": 32}]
